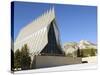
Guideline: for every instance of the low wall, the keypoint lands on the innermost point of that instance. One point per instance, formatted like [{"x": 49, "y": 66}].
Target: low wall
[
  {"x": 52, "y": 61},
  {"x": 92, "y": 59}
]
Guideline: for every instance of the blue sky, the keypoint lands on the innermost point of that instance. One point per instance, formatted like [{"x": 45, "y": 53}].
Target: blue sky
[{"x": 74, "y": 22}]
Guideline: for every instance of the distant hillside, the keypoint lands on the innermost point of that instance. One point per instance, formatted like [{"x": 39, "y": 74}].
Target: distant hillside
[{"x": 83, "y": 48}]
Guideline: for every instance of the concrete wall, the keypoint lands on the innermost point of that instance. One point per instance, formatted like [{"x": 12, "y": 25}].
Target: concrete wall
[{"x": 52, "y": 61}]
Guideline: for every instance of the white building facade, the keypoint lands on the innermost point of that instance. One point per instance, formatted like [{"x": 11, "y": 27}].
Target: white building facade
[{"x": 41, "y": 36}]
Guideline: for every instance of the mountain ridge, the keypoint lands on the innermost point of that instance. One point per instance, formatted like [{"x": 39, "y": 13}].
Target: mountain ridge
[{"x": 70, "y": 47}]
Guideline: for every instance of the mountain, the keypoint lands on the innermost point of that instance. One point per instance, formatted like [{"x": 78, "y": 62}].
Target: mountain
[
  {"x": 83, "y": 44},
  {"x": 72, "y": 47}
]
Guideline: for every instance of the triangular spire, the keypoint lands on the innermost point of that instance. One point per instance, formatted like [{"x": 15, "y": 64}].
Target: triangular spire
[{"x": 53, "y": 10}]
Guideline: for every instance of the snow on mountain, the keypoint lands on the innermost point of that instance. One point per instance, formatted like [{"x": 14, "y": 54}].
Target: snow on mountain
[
  {"x": 71, "y": 47},
  {"x": 83, "y": 44}
]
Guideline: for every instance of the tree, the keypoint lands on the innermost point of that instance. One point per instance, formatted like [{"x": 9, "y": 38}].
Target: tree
[
  {"x": 82, "y": 53},
  {"x": 17, "y": 59},
  {"x": 25, "y": 58},
  {"x": 12, "y": 60},
  {"x": 93, "y": 52},
  {"x": 78, "y": 53}
]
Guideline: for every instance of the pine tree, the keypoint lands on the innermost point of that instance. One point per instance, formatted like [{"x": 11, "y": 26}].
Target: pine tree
[
  {"x": 12, "y": 60},
  {"x": 17, "y": 61},
  {"x": 25, "y": 58},
  {"x": 93, "y": 52},
  {"x": 78, "y": 53}
]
